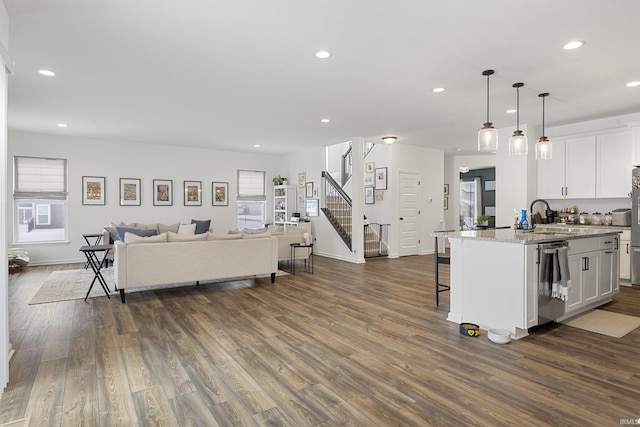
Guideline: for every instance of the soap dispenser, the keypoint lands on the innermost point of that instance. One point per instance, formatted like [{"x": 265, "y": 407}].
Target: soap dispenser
[{"x": 524, "y": 224}]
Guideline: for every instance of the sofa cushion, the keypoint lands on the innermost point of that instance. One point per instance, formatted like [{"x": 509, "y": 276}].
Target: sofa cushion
[
  {"x": 113, "y": 233},
  {"x": 162, "y": 228},
  {"x": 187, "y": 229},
  {"x": 133, "y": 239},
  {"x": 214, "y": 236},
  {"x": 175, "y": 237},
  {"x": 141, "y": 226},
  {"x": 202, "y": 226},
  {"x": 252, "y": 234},
  {"x": 137, "y": 231}
]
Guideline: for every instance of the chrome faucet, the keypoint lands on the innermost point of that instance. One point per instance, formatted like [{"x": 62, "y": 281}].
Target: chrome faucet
[{"x": 547, "y": 212}]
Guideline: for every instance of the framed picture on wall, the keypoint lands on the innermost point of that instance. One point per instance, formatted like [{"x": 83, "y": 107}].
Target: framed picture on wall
[
  {"x": 309, "y": 190},
  {"x": 369, "y": 195},
  {"x": 162, "y": 192},
  {"x": 193, "y": 193},
  {"x": 93, "y": 190},
  {"x": 381, "y": 179},
  {"x": 312, "y": 207},
  {"x": 129, "y": 191},
  {"x": 220, "y": 193},
  {"x": 368, "y": 179}
]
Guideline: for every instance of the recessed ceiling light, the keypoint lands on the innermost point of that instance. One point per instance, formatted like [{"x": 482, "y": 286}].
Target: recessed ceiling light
[
  {"x": 325, "y": 120},
  {"x": 512, "y": 111},
  {"x": 633, "y": 84},
  {"x": 573, "y": 44},
  {"x": 437, "y": 90},
  {"x": 323, "y": 54},
  {"x": 47, "y": 73},
  {"x": 62, "y": 125},
  {"x": 256, "y": 145}
]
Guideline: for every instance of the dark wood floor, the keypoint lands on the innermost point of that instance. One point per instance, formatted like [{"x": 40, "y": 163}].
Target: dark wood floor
[{"x": 350, "y": 345}]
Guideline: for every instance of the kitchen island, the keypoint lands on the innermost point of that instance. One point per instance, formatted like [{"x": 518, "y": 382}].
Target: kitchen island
[{"x": 494, "y": 275}]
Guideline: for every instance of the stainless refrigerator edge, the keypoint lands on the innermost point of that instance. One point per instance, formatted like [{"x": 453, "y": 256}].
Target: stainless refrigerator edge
[{"x": 635, "y": 227}]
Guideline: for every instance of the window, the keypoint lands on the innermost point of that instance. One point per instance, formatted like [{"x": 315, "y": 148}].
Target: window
[
  {"x": 251, "y": 199},
  {"x": 40, "y": 197}
]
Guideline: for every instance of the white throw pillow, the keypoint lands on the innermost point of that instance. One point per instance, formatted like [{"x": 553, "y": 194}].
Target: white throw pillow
[
  {"x": 187, "y": 229},
  {"x": 131, "y": 238},
  {"x": 177, "y": 237}
]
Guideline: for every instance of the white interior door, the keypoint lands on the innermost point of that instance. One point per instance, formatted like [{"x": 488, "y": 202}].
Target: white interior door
[{"x": 409, "y": 209}]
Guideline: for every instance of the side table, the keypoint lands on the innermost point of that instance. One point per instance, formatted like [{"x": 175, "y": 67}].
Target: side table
[
  {"x": 87, "y": 238},
  {"x": 90, "y": 252},
  {"x": 295, "y": 246}
]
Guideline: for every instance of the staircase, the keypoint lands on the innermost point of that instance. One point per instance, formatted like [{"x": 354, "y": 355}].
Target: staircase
[{"x": 338, "y": 210}]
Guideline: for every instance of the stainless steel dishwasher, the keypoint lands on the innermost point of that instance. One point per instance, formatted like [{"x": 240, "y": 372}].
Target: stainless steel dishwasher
[{"x": 549, "y": 308}]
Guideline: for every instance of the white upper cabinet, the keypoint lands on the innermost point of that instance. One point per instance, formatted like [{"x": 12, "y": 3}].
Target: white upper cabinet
[
  {"x": 551, "y": 174},
  {"x": 571, "y": 171},
  {"x": 614, "y": 165},
  {"x": 587, "y": 167},
  {"x": 635, "y": 144},
  {"x": 580, "y": 173}
]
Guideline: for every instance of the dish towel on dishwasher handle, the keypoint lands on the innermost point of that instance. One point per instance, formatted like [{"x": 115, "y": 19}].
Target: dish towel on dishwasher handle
[
  {"x": 560, "y": 288},
  {"x": 554, "y": 280}
]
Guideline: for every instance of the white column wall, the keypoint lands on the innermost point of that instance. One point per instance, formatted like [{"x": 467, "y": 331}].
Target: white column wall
[{"x": 4, "y": 290}]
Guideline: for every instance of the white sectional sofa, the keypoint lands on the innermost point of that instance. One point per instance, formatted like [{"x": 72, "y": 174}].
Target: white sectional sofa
[{"x": 138, "y": 265}]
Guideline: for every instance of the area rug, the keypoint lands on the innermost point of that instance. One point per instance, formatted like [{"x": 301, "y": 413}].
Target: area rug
[
  {"x": 604, "y": 322},
  {"x": 66, "y": 285}
]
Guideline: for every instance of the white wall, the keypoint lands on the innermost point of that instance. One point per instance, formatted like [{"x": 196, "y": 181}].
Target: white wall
[
  {"x": 117, "y": 159},
  {"x": 312, "y": 162},
  {"x": 429, "y": 163},
  {"x": 452, "y": 177},
  {"x": 4, "y": 290},
  {"x": 515, "y": 176}
]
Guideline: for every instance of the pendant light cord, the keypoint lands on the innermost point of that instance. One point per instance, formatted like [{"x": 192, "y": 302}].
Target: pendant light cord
[
  {"x": 518, "y": 109},
  {"x": 488, "y": 98},
  {"x": 543, "y": 115}
]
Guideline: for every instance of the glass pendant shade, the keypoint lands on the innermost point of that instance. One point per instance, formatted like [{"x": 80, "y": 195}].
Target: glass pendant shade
[
  {"x": 518, "y": 145},
  {"x": 488, "y": 135},
  {"x": 488, "y": 138},
  {"x": 543, "y": 149}
]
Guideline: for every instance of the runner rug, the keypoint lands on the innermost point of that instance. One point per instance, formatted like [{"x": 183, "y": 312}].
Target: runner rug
[{"x": 65, "y": 285}]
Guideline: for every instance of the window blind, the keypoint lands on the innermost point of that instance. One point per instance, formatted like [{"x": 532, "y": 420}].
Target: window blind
[
  {"x": 37, "y": 178},
  {"x": 251, "y": 185}
]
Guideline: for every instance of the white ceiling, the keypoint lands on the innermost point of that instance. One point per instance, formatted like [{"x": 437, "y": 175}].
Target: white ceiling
[{"x": 231, "y": 74}]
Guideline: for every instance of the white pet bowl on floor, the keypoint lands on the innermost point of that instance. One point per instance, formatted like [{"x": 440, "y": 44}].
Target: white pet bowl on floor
[{"x": 499, "y": 336}]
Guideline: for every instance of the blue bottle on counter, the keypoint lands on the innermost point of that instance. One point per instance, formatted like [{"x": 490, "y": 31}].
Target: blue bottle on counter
[{"x": 524, "y": 224}]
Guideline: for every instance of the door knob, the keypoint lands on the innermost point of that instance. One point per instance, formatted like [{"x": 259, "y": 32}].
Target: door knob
[{"x": 401, "y": 218}]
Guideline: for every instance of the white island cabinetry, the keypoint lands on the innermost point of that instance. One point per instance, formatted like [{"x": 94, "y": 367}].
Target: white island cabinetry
[{"x": 494, "y": 275}]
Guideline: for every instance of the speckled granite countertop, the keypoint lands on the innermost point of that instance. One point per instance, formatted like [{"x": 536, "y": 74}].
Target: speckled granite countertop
[{"x": 539, "y": 235}]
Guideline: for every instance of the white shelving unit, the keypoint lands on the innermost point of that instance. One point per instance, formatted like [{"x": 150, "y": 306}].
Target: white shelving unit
[{"x": 284, "y": 203}]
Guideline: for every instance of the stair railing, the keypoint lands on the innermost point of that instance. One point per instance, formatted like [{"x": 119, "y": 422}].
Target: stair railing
[
  {"x": 338, "y": 208},
  {"x": 376, "y": 237}
]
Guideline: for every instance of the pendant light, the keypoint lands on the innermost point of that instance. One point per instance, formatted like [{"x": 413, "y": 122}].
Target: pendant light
[
  {"x": 518, "y": 145},
  {"x": 488, "y": 135},
  {"x": 543, "y": 146}
]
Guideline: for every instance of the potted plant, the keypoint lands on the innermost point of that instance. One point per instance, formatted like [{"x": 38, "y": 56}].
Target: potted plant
[
  {"x": 483, "y": 220},
  {"x": 278, "y": 180}
]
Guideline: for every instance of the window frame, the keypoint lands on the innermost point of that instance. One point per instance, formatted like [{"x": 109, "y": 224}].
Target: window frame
[{"x": 41, "y": 181}]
